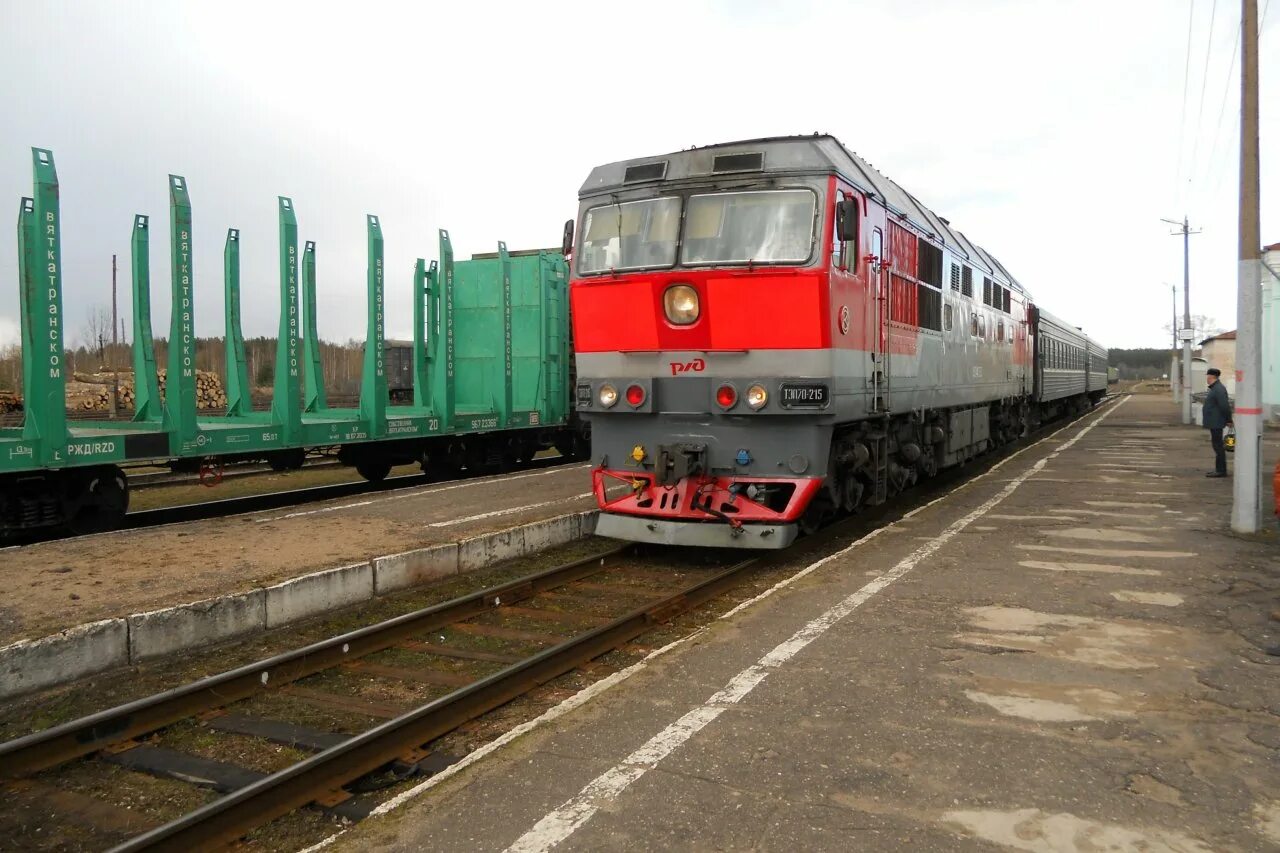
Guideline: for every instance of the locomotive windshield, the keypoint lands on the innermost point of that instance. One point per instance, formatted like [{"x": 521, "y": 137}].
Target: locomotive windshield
[
  {"x": 633, "y": 235},
  {"x": 774, "y": 226}
]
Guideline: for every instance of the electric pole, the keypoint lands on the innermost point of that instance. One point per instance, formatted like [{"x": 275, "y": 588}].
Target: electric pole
[
  {"x": 1173, "y": 327},
  {"x": 1247, "y": 504},
  {"x": 115, "y": 323},
  {"x": 1186, "y": 334}
]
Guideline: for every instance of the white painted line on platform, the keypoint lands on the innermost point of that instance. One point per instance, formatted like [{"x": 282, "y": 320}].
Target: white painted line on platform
[
  {"x": 417, "y": 493},
  {"x": 1099, "y": 568},
  {"x": 1109, "y": 552},
  {"x": 1126, "y": 504},
  {"x": 559, "y": 824},
  {"x": 508, "y": 511},
  {"x": 1160, "y": 599},
  {"x": 313, "y": 511},
  {"x": 1070, "y": 512}
]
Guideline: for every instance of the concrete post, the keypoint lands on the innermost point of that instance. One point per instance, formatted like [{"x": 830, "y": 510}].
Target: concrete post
[{"x": 1246, "y": 508}]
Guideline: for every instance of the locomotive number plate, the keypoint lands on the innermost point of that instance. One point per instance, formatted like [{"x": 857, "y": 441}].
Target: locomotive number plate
[{"x": 804, "y": 395}]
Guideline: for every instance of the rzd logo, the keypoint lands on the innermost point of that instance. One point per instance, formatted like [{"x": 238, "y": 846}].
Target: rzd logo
[{"x": 695, "y": 366}]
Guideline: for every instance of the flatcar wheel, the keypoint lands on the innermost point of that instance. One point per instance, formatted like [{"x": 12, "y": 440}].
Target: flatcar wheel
[
  {"x": 373, "y": 470},
  {"x": 99, "y": 500}
]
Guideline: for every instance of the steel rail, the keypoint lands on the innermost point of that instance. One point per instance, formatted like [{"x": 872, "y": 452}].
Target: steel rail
[
  {"x": 232, "y": 816},
  {"x": 51, "y": 747}
]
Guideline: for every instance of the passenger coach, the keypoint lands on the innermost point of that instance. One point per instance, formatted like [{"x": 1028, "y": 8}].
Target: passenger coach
[{"x": 771, "y": 332}]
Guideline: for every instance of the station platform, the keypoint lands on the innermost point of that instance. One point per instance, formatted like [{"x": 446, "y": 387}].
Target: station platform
[
  {"x": 1063, "y": 654},
  {"x": 70, "y": 582}
]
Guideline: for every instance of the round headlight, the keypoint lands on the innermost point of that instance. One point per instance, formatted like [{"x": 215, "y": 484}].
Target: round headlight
[
  {"x": 680, "y": 301},
  {"x": 608, "y": 395},
  {"x": 757, "y": 396},
  {"x": 635, "y": 395}
]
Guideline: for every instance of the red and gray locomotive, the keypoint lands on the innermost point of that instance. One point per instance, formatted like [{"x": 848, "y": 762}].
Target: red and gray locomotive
[{"x": 769, "y": 333}]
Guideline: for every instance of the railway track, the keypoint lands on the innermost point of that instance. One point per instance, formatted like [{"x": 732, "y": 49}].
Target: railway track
[
  {"x": 412, "y": 680},
  {"x": 268, "y": 501}
]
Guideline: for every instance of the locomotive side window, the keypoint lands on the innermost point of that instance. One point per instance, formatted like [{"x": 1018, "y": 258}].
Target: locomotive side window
[
  {"x": 877, "y": 245},
  {"x": 948, "y": 318},
  {"x": 770, "y": 226},
  {"x": 955, "y": 276},
  {"x": 973, "y": 323},
  {"x": 966, "y": 282},
  {"x": 631, "y": 235}
]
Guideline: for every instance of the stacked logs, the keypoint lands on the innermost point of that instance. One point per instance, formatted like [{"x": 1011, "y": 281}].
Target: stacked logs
[
  {"x": 91, "y": 392},
  {"x": 10, "y": 402}
]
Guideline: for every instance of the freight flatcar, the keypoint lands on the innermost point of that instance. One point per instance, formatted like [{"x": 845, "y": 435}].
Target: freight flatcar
[
  {"x": 769, "y": 333},
  {"x": 488, "y": 371}
]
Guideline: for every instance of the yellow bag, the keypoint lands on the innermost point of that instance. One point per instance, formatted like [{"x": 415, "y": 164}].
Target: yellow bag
[{"x": 1229, "y": 440}]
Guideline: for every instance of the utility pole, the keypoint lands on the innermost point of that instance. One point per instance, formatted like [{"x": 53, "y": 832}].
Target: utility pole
[
  {"x": 115, "y": 324},
  {"x": 1186, "y": 334},
  {"x": 1177, "y": 397},
  {"x": 1246, "y": 507}
]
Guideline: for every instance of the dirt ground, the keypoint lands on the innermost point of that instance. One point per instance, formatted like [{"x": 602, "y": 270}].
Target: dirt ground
[{"x": 55, "y": 585}]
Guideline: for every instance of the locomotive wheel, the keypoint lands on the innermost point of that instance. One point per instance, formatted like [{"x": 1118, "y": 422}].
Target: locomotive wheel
[
  {"x": 373, "y": 470},
  {"x": 98, "y": 500}
]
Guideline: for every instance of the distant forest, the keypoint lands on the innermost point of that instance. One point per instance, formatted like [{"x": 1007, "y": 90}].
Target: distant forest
[
  {"x": 342, "y": 362},
  {"x": 1140, "y": 363}
]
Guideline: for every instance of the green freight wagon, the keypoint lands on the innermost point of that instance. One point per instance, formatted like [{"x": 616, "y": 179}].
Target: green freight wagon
[{"x": 490, "y": 365}]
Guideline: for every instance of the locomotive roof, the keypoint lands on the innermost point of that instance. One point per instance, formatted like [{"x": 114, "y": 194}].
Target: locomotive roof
[{"x": 795, "y": 155}]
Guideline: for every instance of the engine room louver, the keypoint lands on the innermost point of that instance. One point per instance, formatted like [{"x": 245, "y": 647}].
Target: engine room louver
[
  {"x": 752, "y": 162},
  {"x": 645, "y": 172}
]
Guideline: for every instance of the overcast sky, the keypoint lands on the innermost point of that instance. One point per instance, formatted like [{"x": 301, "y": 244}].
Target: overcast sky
[{"x": 1056, "y": 134}]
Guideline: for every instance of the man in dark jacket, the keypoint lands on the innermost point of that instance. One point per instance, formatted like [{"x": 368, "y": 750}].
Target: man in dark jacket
[{"x": 1217, "y": 416}]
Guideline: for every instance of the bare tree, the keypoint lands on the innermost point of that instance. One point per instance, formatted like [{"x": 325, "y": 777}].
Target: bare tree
[
  {"x": 96, "y": 334},
  {"x": 1203, "y": 325}
]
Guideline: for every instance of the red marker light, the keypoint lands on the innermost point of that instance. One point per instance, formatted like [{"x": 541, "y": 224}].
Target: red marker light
[
  {"x": 726, "y": 396},
  {"x": 635, "y": 395}
]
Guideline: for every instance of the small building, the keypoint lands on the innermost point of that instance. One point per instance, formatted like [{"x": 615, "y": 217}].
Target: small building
[{"x": 1220, "y": 352}]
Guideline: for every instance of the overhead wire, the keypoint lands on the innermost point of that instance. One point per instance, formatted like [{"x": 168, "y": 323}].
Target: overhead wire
[
  {"x": 1226, "y": 96},
  {"x": 1182, "y": 120},
  {"x": 1204, "y": 82},
  {"x": 1222, "y": 111}
]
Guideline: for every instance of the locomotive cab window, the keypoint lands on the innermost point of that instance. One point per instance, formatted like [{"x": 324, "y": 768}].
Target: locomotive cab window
[
  {"x": 844, "y": 224},
  {"x": 628, "y": 236},
  {"x": 764, "y": 227}
]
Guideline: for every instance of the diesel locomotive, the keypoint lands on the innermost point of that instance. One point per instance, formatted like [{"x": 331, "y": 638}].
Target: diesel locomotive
[{"x": 770, "y": 332}]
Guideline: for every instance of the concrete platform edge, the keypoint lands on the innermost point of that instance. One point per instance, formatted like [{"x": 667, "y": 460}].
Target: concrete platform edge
[{"x": 96, "y": 647}]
